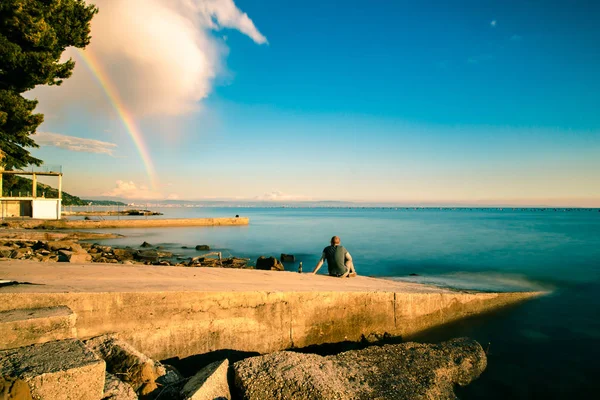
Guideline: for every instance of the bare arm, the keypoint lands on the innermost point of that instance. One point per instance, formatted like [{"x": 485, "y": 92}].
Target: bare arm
[
  {"x": 349, "y": 263},
  {"x": 319, "y": 264}
]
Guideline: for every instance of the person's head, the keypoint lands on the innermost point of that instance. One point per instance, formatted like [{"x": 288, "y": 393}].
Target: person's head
[{"x": 335, "y": 241}]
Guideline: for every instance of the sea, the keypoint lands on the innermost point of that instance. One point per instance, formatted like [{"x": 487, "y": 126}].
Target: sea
[{"x": 545, "y": 348}]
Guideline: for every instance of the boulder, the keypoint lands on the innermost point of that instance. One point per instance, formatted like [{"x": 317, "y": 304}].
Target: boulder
[
  {"x": 400, "y": 371},
  {"x": 145, "y": 244},
  {"x": 116, "y": 389},
  {"x": 147, "y": 255},
  {"x": 12, "y": 388},
  {"x": 204, "y": 247},
  {"x": 209, "y": 383},
  {"x": 63, "y": 245},
  {"x": 124, "y": 361},
  {"x": 80, "y": 257},
  {"x": 5, "y": 251},
  {"x": 270, "y": 263},
  {"x": 21, "y": 253},
  {"x": 125, "y": 254},
  {"x": 287, "y": 258},
  {"x": 101, "y": 248}
]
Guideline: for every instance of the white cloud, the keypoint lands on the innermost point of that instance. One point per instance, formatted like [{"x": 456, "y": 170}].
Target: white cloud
[
  {"x": 493, "y": 23},
  {"x": 74, "y": 143},
  {"x": 276, "y": 195},
  {"x": 130, "y": 190},
  {"x": 160, "y": 55}
]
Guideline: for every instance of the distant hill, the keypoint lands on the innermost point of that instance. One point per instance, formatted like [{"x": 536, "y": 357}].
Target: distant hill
[{"x": 12, "y": 185}]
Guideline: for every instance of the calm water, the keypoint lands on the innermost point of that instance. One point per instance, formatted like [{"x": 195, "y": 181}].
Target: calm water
[{"x": 545, "y": 348}]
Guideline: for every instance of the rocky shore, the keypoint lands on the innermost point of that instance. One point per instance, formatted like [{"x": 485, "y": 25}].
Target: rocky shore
[
  {"x": 83, "y": 252},
  {"x": 108, "y": 368}
]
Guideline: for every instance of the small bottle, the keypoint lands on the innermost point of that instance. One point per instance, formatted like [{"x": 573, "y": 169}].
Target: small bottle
[{"x": 300, "y": 267}]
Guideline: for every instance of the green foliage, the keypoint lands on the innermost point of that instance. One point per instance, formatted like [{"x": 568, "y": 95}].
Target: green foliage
[
  {"x": 12, "y": 185},
  {"x": 33, "y": 36}
]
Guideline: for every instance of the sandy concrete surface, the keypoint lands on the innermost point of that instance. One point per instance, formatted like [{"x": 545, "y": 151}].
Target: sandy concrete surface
[
  {"x": 178, "y": 312},
  {"x": 99, "y": 278}
]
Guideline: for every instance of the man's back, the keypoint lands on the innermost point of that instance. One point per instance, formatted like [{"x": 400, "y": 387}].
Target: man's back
[{"x": 336, "y": 259}]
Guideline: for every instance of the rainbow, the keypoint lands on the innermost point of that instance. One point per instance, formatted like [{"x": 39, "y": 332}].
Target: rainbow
[{"x": 112, "y": 94}]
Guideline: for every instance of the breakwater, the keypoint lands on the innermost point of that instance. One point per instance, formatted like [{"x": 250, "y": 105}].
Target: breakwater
[
  {"x": 130, "y": 223},
  {"x": 178, "y": 312}
]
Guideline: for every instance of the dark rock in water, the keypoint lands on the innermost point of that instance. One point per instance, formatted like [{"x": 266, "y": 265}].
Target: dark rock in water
[
  {"x": 203, "y": 247},
  {"x": 270, "y": 263},
  {"x": 413, "y": 274},
  {"x": 287, "y": 258},
  {"x": 184, "y": 247},
  {"x": 146, "y": 244},
  {"x": 125, "y": 254},
  {"x": 400, "y": 371},
  {"x": 148, "y": 255}
]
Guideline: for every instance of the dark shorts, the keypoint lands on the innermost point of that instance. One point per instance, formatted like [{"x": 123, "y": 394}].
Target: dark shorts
[{"x": 338, "y": 275}]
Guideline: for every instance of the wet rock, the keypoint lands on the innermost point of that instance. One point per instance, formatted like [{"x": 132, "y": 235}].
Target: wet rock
[
  {"x": 124, "y": 361},
  {"x": 145, "y": 244},
  {"x": 204, "y": 247},
  {"x": 116, "y": 389},
  {"x": 401, "y": 371},
  {"x": 270, "y": 263},
  {"x": 287, "y": 258},
  {"x": 125, "y": 254},
  {"x": 209, "y": 383},
  {"x": 147, "y": 255}
]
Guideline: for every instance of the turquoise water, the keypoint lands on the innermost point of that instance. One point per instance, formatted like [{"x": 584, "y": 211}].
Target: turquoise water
[{"x": 545, "y": 348}]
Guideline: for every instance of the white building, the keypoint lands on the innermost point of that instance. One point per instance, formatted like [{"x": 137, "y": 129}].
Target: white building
[{"x": 31, "y": 205}]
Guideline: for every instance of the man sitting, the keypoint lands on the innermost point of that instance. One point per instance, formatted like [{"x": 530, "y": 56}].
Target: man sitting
[{"x": 339, "y": 261}]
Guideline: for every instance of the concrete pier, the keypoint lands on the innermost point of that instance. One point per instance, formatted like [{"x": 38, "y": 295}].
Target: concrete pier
[
  {"x": 177, "y": 312},
  {"x": 130, "y": 223}
]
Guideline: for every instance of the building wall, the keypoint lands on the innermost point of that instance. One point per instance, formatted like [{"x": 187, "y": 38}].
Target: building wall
[
  {"x": 16, "y": 208},
  {"x": 46, "y": 209}
]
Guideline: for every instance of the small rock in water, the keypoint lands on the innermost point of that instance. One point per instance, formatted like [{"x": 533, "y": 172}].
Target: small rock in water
[
  {"x": 146, "y": 244},
  {"x": 270, "y": 263},
  {"x": 203, "y": 247},
  {"x": 287, "y": 257},
  {"x": 413, "y": 274}
]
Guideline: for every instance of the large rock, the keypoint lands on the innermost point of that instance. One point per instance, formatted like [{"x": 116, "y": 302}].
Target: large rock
[
  {"x": 12, "y": 388},
  {"x": 64, "y": 245},
  {"x": 401, "y": 371},
  {"x": 209, "y": 383},
  {"x": 79, "y": 257},
  {"x": 116, "y": 389},
  {"x": 59, "y": 370},
  {"x": 125, "y": 254},
  {"x": 270, "y": 263},
  {"x": 204, "y": 247},
  {"x": 124, "y": 361}
]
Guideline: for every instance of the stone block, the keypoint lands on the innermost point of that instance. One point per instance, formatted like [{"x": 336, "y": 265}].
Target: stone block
[
  {"x": 209, "y": 383},
  {"x": 123, "y": 360},
  {"x": 23, "y": 327},
  {"x": 116, "y": 389},
  {"x": 59, "y": 370}
]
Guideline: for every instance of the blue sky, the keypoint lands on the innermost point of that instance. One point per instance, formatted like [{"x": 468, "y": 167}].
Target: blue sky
[{"x": 411, "y": 102}]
